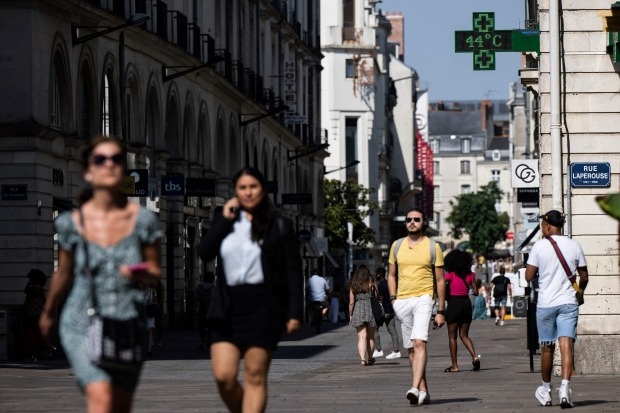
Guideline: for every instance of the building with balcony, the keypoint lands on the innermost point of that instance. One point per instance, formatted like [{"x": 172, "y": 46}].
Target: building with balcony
[
  {"x": 355, "y": 93},
  {"x": 196, "y": 89}
]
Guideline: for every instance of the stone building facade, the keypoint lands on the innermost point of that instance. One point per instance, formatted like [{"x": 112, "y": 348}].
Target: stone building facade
[
  {"x": 589, "y": 118},
  {"x": 196, "y": 91}
]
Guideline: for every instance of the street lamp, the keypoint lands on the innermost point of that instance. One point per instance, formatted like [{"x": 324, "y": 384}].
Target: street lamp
[
  {"x": 317, "y": 148},
  {"x": 137, "y": 18},
  {"x": 349, "y": 165}
]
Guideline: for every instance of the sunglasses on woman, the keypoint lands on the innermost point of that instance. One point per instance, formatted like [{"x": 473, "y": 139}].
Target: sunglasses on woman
[
  {"x": 414, "y": 219},
  {"x": 100, "y": 160}
]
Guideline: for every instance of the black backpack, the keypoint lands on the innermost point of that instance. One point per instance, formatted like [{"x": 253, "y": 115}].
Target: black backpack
[{"x": 499, "y": 289}]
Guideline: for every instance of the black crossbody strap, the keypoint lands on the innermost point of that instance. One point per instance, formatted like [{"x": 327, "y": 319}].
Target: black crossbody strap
[
  {"x": 94, "y": 306},
  {"x": 570, "y": 276}
]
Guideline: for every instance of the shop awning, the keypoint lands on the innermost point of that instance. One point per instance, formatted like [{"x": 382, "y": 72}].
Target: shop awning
[
  {"x": 331, "y": 259},
  {"x": 309, "y": 250}
]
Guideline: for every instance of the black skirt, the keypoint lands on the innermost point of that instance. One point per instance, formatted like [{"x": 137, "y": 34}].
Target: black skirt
[
  {"x": 247, "y": 324},
  {"x": 459, "y": 310}
]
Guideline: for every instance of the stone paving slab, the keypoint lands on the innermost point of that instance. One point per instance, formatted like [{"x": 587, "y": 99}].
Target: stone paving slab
[{"x": 321, "y": 373}]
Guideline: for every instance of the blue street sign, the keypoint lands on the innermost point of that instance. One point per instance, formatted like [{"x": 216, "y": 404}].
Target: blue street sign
[{"x": 590, "y": 175}]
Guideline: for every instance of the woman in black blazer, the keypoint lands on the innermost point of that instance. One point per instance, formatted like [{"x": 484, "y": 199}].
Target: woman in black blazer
[{"x": 258, "y": 292}]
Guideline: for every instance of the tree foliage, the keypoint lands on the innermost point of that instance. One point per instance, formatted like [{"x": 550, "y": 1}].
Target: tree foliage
[
  {"x": 474, "y": 214},
  {"x": 347, "y": 202}
]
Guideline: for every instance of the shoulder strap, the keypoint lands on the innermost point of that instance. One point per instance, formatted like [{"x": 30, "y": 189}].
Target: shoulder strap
[
  {"x": 571, "y": 277},
  {"x": 396, "y": 248},
  {"x": 433, "y": 257},
  {"x": 95, "y": 306}
]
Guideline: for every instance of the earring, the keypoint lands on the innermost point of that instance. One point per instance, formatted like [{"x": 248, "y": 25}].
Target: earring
[{"x": 88, "y": 177}]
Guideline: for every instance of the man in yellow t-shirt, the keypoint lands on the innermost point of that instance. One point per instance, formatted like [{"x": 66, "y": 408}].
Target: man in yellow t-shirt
[{"x": 413, "y": 300}]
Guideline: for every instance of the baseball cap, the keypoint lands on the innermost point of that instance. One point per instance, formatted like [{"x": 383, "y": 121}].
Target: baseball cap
[{"x": 553, "y": 217}]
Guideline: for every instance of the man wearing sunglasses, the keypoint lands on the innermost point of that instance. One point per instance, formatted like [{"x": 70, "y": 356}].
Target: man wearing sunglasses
[
  {"x": 414, "y": 298},
  {"x": 557, "y": 309}
]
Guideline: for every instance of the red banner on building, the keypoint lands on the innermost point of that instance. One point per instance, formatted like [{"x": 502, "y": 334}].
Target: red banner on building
[{"x": 425, "y": 164}]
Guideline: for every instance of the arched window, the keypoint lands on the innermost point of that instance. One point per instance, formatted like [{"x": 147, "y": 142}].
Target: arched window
[
  {"x": 54, "y": 99},
  {"x": 87, "y": 103},
  {"x": 60, "y": 95},
  {"x": 107, "y": 105}
]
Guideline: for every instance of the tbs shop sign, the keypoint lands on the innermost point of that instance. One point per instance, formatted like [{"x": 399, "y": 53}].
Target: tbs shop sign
[
  {"x": 590, "y": 175},
  {"x": 173, "y": 185}
]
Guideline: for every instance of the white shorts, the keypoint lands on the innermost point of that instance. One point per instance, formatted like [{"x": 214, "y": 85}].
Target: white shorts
[{"x": 415, "y": 317}]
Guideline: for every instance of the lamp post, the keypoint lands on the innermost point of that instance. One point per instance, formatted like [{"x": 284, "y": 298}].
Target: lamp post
[{"x": 349, "y": 165}]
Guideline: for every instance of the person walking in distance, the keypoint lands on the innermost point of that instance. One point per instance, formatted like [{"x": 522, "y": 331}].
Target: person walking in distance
[
  {"x": 318, "y": 291},
  {"x": 360, "y": 314},
  {"x": 202, "y": 298},
  {"x": 258, "y": 290},
  {"x": 557, "y": 308},
  {"x": 390, "y": 319},
  {"x": 419, "y": 263},
  {"x": 459, "y": 314},
  {"x": 501, "y": 291}
]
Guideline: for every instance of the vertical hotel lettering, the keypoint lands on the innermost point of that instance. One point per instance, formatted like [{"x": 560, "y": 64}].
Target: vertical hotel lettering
[{"x": 290, "y": 87}]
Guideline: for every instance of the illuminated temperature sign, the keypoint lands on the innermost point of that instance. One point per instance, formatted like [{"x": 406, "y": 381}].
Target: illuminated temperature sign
[{"x": 483, "y": 41}]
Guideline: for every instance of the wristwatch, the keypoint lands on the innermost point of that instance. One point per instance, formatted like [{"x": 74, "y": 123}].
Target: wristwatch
[
  {"x": 392, "y": 298},
  {"x": 442, "y": 312}
]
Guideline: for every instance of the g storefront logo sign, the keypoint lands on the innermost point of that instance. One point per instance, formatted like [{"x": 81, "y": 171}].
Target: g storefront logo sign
[{"x": 525, "y": 173}]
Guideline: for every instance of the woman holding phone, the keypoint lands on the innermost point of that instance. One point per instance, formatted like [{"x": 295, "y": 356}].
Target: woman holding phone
[
  {"x": 119, "y": 242},
  {"x": 258, "y": 290}
]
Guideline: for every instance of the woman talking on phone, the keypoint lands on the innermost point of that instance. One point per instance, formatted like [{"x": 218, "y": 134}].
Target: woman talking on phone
[
  {"x": 108, "y": 249},
  {"x": 258, "y": 290}
]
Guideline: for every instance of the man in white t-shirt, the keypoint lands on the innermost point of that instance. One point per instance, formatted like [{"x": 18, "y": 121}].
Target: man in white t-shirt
[{"x": 557, "y": 309}]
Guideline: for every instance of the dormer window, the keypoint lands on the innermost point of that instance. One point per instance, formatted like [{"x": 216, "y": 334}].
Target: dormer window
[{"x": 465, "y": 145}]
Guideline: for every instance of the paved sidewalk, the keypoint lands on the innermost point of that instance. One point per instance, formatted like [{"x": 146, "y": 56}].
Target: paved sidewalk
[{"x": 321, "y": 373}]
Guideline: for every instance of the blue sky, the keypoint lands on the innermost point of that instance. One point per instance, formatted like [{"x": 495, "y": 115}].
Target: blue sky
[{"x": 429, "y": 46}]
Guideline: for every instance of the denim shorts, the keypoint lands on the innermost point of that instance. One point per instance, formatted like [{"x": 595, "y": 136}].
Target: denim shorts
[
  {"x": 554, "y": 322},
  {"x": 501, "y": 301}
]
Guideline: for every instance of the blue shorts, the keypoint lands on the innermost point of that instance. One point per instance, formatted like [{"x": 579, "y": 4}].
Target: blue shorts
[
  {"x": 501, "y": 301},
  {"x": 554, "y": 322}
]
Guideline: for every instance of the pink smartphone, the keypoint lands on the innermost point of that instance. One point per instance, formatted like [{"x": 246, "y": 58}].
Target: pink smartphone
[{"x": 138, "y": 267}]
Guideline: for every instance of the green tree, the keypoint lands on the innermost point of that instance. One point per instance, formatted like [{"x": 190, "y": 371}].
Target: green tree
[
  {"x": 474, "y": 214},
  {"x": 347, "y": 202}
]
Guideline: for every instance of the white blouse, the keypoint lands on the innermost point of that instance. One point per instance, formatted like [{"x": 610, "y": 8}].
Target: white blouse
[{"x": 241, "y": 256}]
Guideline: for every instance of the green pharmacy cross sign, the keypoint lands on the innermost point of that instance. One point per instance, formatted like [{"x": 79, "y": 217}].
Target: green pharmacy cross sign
[{"x": 483, "y": 41}]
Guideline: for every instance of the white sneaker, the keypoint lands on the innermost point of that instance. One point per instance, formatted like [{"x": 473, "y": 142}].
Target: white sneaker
[
  {"x": 543, "y": 396},
  {"x": 412, "y": 395},
  {"x": 393, "y": 355},
  {"x": 496, "y": 320},
  {"x": 377, "y": 353},
  {"x": 565, "y": 401},
  {"x": 501, "y": 323},
  {"x": 424, "y": 398}
]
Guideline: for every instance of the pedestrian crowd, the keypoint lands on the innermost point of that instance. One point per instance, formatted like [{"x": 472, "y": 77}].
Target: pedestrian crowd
[{"x": 109, "y": 278}]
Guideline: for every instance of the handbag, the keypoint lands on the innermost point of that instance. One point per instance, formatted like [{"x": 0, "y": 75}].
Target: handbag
[
  {"x": 571, "y": 277},
  {"x": 377, "y": 308},
  {"x": 112, "y": 343}
]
